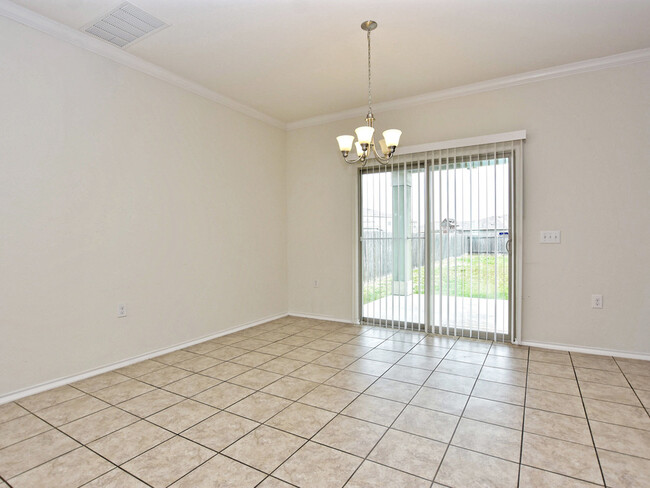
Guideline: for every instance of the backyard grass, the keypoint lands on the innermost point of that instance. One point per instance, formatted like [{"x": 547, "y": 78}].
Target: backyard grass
[{"x": 463, "y": 276}]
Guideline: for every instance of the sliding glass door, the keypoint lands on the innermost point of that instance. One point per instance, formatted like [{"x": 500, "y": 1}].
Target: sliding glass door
[{"x": 436, "y": 242}]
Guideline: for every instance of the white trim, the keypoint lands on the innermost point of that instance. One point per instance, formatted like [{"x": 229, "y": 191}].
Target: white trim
[
  {"x": 48, "y": 385},
  {"x": 44, "y": 24},
  {"x": 631, "y": 57},
  {"x": 517, "y": 135},
  {"x": 319, "y": 317},
  {"x": 588, "y": 350}
]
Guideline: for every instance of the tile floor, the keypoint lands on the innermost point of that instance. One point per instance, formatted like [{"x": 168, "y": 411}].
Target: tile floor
[{"x": 298, "y": 402}]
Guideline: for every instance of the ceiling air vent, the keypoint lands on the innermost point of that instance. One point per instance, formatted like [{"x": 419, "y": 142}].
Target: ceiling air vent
[{"x": 125, "y": 25}]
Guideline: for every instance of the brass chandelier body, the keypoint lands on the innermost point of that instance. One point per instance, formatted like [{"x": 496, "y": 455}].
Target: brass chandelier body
[{"x": 365, "y": 144}]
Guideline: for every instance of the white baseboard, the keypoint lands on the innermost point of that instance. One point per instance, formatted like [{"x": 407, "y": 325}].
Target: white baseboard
[
  {"x": 48, "y": 385},
  {"x": 320, "y": 317},
  {"x": 588, "y": 350}
]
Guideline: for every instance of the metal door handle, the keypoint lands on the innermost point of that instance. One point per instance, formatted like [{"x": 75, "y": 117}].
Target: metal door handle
[{"x": 509, "y": 245}]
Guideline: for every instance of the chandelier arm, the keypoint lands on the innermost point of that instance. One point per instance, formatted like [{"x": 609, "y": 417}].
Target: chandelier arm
[
  {"x": 382, "y": 159},
  {"x": 355, "y": 161}
]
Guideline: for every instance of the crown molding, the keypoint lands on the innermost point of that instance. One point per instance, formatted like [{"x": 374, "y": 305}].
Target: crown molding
[
  {"x": 60, "y": 31},
  {"x": 630, "y": 57}
]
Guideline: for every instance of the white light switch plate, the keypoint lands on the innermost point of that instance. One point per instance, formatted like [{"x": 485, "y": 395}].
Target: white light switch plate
[{"x": 549, "y": 237}]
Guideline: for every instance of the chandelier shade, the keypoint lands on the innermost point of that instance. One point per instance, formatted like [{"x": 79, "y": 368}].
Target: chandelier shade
[{"x": 365, "y": 143}]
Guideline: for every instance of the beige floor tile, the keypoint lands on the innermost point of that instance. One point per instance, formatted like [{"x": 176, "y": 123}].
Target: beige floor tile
[
  {"x": 351, "y": 435},
  {"x": 99, "y": 382},
  {"x": 253, "y": 359},
  {"x": 616, "y": 413},
  {"x": 466, "y": 469},
  {"x": 499, "y": 413},
  {"x": 407, "y": 452},
  {"x": 34, "y": 451},
  {"x": 48, "y": 398},
  {"x": 624, "y": 440},
  {"x": 368, "y": 366},
  {"x": 150, "y": 403},
  {"x": 282, "y": 365},
  {"x": 505, "y": 362},
  {"x": 623, "y": 471},
  {"x": 616, "y": 394},
  {"x": 220, "y": 430},
  {"x": 223, "y": 395},
  {"x": 428, "y": 423},
  {"x": 613, "y": 378},
  {"x": 221, "y": 472},
  {"x": 353, "y": 350},
  {"x": 278, "y": 349},
  {"x": 264, "y": 448},
  {"x": 316, "y": 466},
  {"x": 640, "y": 382},
  {"x": 202, "y": 347},
  {"x": 550, "y": 356},
  {"x": 566, "y": 458},
  {"x": 459, "y": 368},
  {"x": 164, "y": 376},
  {"x": 64, "y": 470},
  {"x": 303, "y": 354},
  {"x": 466, "y": 356},
  {"x": 294, "y": 342},
  {"x": 644, "y": 396},
  {"x": 252, "y": 344},
  {"x": 138, "y": 369},
  {"x": 441, "y": 400},
  {"x": 259, "y": 406},
  {"x": 366, "y": 341},
  {"x": 323, "y": 345},
  {"x": 473, "y": 345},
  {"x": 393, "y": 390},
  {"x": 506, "y": 376},
  {"x": 300, "y": 419},
  {"x": 175, "y": 357},
  {"x": 168, "y": 461},
  {"x": 407, "y": 374},
  {"x": 555, "y": 402},
  {"x": 351, "y": 381},
  {"x": 421, "y": 362},
  {"x": 290, "y": 388},
  {"x": 116, "y": 479},
  {"x": 439, "y": 340},
  {"x": 182, "y": 416},
  {"x": 373, "y": 409},
  {"x": 450, "y": 382},
  {"x": 551, "y": 369},
  {"x": 271, "y": 482},
  {"x": 123, "y": 391},
  {"x": 255, "y": 379},
  {"x": 198, "y": 363},
  {"x": 329, "y": 398},
  {"x": 594, "y": 362},
  {"x": 536, "y": 478},
  {"x": 396, "y": 346},
  {"x": 225, "y": 371},
  {"x": 99, "y": 424},
  {"x": 488, "y": 438},
  {"x": 227, "y": 353},
  {"x": 192, "y": 385},
  {"x": 21, "y": 428},
  {"x": 126, "y": 443},
  {"x": 315, "y": 373},
  {"x": 428, "y": 350},
  {"x": 634, "y": 366},
  {"x": 335, "y": 360},
  {"x": 553, "y": 384},
  {"x": 559, "y": 426},
  {"x": 65, "y": 412},
  {"x": 10, "y": 411},
  {"x": 384, "y": 355},
  {"x": 499, "y": 392},
  {"x": 509, "y": 350},
  {"x": 372, "y": 475}
]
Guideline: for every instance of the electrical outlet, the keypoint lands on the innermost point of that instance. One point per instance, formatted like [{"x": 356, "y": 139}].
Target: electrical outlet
[
  {"x": 549, "y": 237},
  {"x": 315, "y": 283},
  {"x": 596, "y": 301},
  {"x": 121, "y": 310}
]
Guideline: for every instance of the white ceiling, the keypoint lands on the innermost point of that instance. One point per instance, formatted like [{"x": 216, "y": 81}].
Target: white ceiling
[{"x": 295, "y": 59}]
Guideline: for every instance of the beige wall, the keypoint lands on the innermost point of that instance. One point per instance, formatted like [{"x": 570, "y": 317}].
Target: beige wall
[
  {"x": 116, "y": 187},
  {"x": 587, "y": 173}
]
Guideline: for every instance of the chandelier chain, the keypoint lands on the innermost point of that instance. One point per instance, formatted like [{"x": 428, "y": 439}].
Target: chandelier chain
[{"x": 369, "y": 78}]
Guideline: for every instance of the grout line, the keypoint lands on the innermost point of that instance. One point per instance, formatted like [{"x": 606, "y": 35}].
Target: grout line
[
  {"x": 523, "y": 423},
  {"x": 600, "y": 467}
]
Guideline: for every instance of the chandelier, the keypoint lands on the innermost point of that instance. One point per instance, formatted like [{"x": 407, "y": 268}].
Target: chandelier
[{"x": 365, "y": 134}]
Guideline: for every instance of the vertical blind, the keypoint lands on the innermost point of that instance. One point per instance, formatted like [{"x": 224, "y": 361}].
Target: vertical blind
[{"x": 436, "y": 241}]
